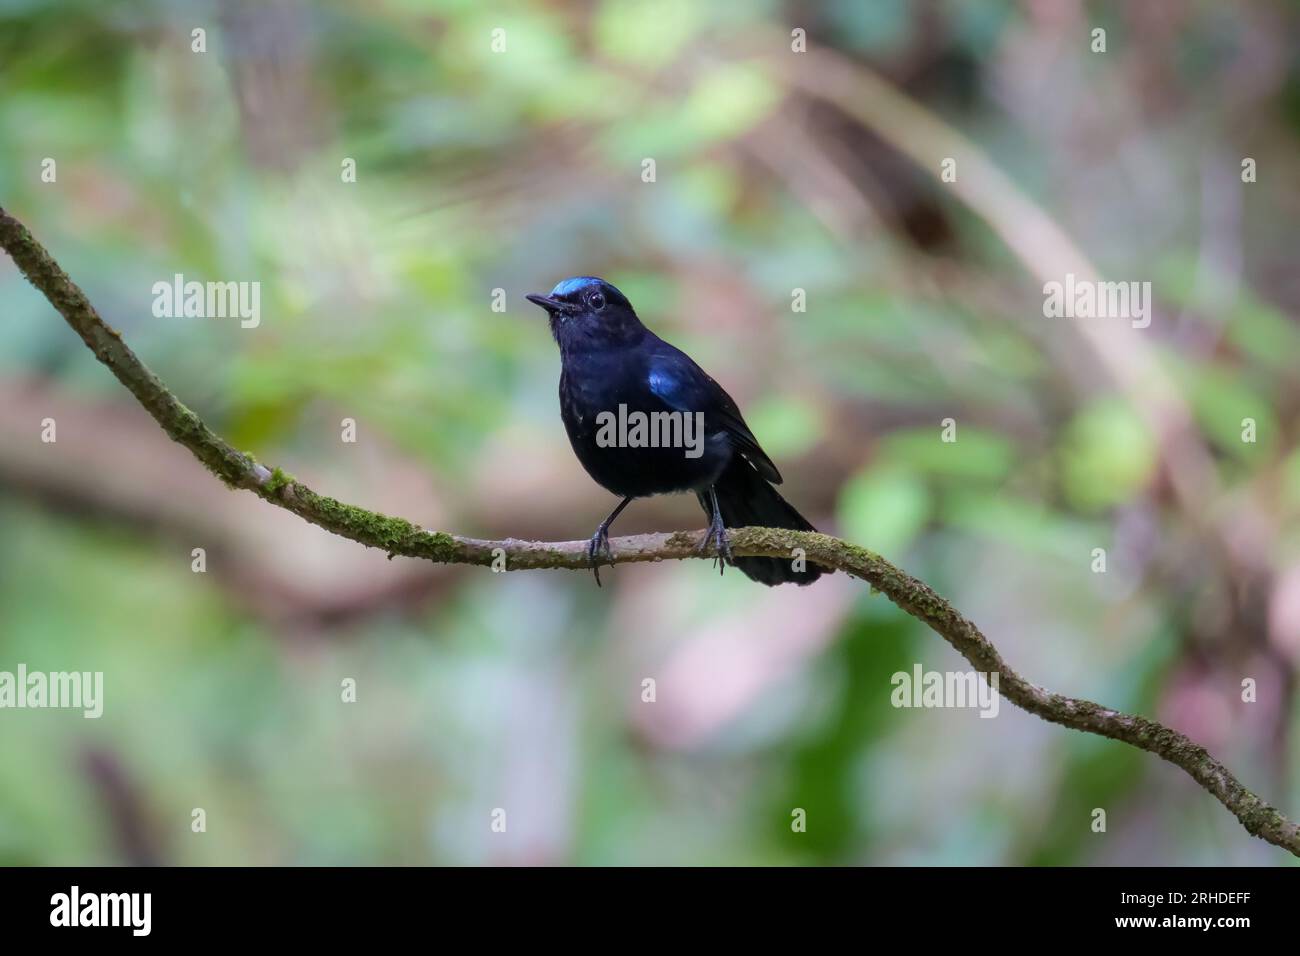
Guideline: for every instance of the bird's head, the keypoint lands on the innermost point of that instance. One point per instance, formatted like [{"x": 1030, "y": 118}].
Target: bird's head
[{"x": 588, "y": 309}]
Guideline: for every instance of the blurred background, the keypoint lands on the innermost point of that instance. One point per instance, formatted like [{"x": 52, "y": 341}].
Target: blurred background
[{"x": 509, "y": 160}]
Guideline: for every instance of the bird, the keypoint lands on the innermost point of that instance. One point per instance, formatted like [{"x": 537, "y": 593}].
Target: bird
[{"x": 616, "y": 374}]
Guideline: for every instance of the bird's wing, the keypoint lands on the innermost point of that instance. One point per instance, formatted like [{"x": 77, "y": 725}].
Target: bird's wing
[{"x": 683, "y": 386}]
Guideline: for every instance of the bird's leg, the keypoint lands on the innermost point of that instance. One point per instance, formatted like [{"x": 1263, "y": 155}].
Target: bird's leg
[
  {"x": 599, "y": 545},
  {"x": 716, "y": 536}
]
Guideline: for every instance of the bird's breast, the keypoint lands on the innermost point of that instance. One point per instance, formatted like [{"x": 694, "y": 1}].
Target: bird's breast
[{"x": 610, "y": 414}]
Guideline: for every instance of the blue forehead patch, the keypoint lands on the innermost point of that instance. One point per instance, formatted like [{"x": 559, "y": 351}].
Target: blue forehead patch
[{"x": 576, "y": 284}]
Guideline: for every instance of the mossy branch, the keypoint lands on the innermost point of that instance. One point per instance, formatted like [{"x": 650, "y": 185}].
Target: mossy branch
[{"x": 396, "y": 536}]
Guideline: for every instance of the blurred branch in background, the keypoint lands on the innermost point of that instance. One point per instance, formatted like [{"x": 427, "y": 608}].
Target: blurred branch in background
[{"x": 399, "y": 537}]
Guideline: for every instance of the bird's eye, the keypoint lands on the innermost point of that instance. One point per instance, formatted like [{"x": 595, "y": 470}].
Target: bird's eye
[{"x": 596, "y": 301}]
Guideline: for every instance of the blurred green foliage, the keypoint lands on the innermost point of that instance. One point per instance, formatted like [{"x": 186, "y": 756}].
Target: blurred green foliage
[{"x": 482, "y": 169}]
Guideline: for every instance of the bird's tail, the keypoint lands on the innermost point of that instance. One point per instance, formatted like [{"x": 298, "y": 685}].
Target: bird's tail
[{"x": 747, "y": 500}]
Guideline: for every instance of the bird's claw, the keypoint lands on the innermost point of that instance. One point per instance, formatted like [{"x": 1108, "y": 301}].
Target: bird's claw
[
  {"x": 715, "y": 539},
  {"x": 597, "y": 548}
]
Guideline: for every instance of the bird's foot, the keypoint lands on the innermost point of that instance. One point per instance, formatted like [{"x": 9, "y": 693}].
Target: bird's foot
[
  {"x": 715, "y": 539},
  {"x": 598, "y": 548}
]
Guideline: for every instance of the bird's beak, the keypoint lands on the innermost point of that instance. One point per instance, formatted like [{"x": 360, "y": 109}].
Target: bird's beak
[{"x": 547, "y": 303}]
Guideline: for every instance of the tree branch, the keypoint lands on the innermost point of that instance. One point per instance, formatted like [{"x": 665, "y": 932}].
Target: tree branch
[{"x": 400, "y": 537}]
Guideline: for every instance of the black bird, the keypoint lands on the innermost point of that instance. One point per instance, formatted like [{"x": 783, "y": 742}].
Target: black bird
[{"x": 612, "y": 366}]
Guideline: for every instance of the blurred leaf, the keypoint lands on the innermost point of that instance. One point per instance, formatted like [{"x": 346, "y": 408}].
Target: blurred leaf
[
  {"x": 725, "y": 101},
  {"x": 1029, "y": 525},
  {"x": 1222, "y": 402},
  {"x": 1107, "y": 455},
  {"x": 883, "y": 509},
  {"x": 729, "y": 99},
  {"x": 976, "y": 455},
  {"x": 1264, "y": 334},
  {"x": 785, "y": 426},
  {"x": 646, "y": 34}
]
